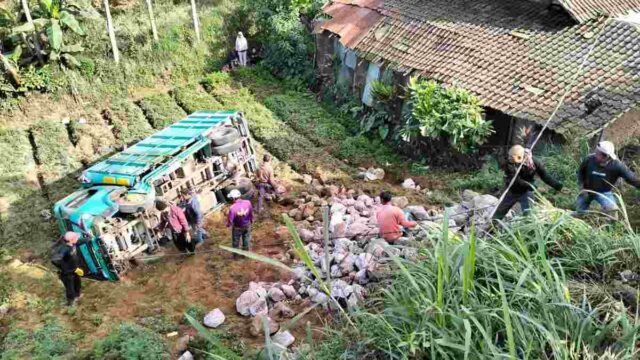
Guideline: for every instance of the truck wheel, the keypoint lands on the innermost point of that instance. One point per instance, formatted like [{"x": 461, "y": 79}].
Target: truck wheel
[
  {"x": 226, "y": 148},
  {"x": 224, "y": 136}
]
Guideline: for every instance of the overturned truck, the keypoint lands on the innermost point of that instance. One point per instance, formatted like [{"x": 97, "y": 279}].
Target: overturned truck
[{"x": 209, "y": 152}]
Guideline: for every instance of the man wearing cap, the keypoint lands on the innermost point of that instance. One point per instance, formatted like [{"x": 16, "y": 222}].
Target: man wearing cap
[
  {"x": 66, "y": 259},
  {"x": 240, "y": 220},
  {"x": 172, "y": 217},
  {"x": 597, "y": 176},
  {"x": 195, "y": 217}
]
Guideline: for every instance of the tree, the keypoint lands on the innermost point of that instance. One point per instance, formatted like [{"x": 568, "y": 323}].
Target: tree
[
  {"x": 112, "y": 33},
  {"x": 450, "y": 113},
  {"x": 196, "y": 21},
  {"x": 152, "y": 20}
]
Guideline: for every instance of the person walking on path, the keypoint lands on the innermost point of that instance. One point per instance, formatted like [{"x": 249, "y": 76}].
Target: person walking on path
[
  {"x": 239, "y": 220},
  {"x": 597, "y": 176},
  {"x": 65, "y": 258},
  {"x": 172, "y": 217},
  {"x": 195, "y": 217},
  {"x": 241, "y": 49},
  {"x": 391, "y": 219},
  {"x": 524, "y": 185},
  {"x": 266, "y": 183}
]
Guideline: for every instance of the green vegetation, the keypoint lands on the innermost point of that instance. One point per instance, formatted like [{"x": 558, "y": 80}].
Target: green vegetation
[
  {"x": 161, "y": 110},
  {"x": 128, "y": 121},
  {"x": 214, "y": 344},
  {"x": 130, "y": 341},
  {"x": 51, "y": 341},
  {"x": 54, "y": 151},
  {"x": 488, "y": 179},
  {"x": 92, "y": 139},
  {"x": 449, "y": 113},
  {"x": 192, "y": 100}
]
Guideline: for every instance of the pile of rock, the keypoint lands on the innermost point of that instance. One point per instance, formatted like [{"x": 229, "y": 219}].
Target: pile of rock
[{"x": 473, "y": 206}]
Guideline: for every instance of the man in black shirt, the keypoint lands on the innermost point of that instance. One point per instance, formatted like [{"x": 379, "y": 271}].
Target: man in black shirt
[
  {"x": 522, "y": 188},
  {"x": 66, "y": 259},
  {"x": 597, "y": 176}
]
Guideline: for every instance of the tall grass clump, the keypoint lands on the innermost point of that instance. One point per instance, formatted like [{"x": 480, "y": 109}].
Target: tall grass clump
[{"x": 504, "y": 297}]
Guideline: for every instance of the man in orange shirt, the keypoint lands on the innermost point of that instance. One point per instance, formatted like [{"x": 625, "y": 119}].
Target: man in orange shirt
[{"x": 391, "y": 219}]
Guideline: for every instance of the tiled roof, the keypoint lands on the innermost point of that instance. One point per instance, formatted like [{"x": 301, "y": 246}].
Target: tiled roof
[
  {"x": 516, "y": 59},
  {"x": 584, "y": 10}
]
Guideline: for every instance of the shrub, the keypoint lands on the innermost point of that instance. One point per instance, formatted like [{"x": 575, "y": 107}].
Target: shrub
[
  {"x": 54, "y": 150},
  {"x": 216, "y": 79},
  {"x": 47, "y": 342},
  {"x": 488, "y": 179},
  {"x": 130, "y": 341},
  {"x": 450, "y": 113},
  {"x": 195, "y": 311},
  {"x": 128, "y": 121},
  {"x": 192, "y": 100},
  {"x": 161, "y": 110}
]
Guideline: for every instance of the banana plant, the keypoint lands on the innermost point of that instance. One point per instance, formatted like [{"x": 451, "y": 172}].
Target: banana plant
[{"x": 54, "y": 16}]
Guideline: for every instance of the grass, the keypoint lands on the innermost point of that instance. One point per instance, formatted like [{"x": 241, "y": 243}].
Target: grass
[
  {"x": 55, "y": 152},
  {"x": 131, "y": 341},
  {"x": 128, "y": 121},
  {"x": 161, "y": 110},
  {"x": 92, "y": 138},
  {"x": 192, "y": 100},
  {"x": 50, "y": 341}
]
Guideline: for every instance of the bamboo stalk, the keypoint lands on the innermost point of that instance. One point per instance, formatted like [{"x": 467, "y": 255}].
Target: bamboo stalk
[
  {"x": 196, "y": 22},
  {"x": 152, "y": 20},
  {"x": 112, "y": 34}
]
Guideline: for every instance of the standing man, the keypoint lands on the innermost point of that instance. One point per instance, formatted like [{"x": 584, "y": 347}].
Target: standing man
[
  {"x": 391, "y": 219},
  {"x": 240, "y": 220},
  {"x": 266, "y": 183},
  {"x": 173, "y": 218},
  {"x": 65, "y": 258},
  {"x": 241, "y": 49},
  {"x": 524, "y": 185},
  {"x": 597, "y": 176},
  {"x": 195, "y": 217}
]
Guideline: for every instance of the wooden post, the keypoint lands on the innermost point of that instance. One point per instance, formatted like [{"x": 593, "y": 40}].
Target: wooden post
[
  {"x": 325, "y": 223},
  {"x": 112, "y": 34},
  {"x": 196, "y": 22},
  {"x": 36, "y": 41},
  {"x": 152, "y": 20}
]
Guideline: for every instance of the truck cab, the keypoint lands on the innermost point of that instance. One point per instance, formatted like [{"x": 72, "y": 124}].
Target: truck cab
[{"x": 209, "y": 152}]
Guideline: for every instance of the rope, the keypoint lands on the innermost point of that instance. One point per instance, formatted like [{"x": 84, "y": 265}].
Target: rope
[{"x": 555, "y": 111}]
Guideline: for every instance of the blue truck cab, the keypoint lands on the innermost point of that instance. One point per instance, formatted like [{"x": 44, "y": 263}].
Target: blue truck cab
[{"x": 209, "y": 152}]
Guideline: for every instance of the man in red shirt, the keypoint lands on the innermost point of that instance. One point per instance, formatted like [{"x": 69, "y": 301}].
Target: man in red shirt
[
  {"x": 391, "y": 219},
  {"x": 173, "y": 218}
]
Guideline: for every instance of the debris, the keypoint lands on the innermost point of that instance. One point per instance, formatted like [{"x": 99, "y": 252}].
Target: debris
[
  {"x": 372, "y": 174},
  {"x": 284, "y": 339},
  {"x": 172, "y": 334},
  {"x": 282, "y": 310},
  {"x": 276, "y": 294},
  {"x": 214, "y": 319},
  {"x": 257, "y": 326},
  {"x": 409, "y": 184},
  {"x": 289, "y": 291},
  {"x": 186, "y": 356},
  {"x": 400, "y": 201},
  {"x": 307, "y": 179}
]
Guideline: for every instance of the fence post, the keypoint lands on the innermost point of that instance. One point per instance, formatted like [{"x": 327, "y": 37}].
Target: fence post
[
  {"x": 196, "y": 22},
  {"x": 325, "y": 223},
  {"x": 36, "y": 41},
  {"x": 112, "y": 34},
  {"x": 152, "y": 20}
]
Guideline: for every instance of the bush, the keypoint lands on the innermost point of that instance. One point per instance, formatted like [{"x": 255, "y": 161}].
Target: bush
[
  {"x": 130, "y": 341},
  {"x": 195, "y": 311},
  {"x": 450, "y": 113},
  {"x": 47, "y": 342},
  {"x": 161, "y": 110},
  {"x": 488, "y": 179},
  {"x": 216, "y": 79},
  {"x": 54, "y": 150},
  {"x": 128, "y": 121},
  {"x": 192, "y": 100}
]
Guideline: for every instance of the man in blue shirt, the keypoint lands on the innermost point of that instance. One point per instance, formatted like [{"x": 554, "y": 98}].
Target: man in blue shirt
[
  {"x": 195, "y": 217},
  {"x": 597, "y": 176}
]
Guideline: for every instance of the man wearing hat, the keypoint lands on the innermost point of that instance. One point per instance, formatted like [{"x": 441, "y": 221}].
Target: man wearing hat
[
  {"x": 597, "y": 176},
  {"x": 240, "y": 220},
  {"x": 66, "y": 259}
]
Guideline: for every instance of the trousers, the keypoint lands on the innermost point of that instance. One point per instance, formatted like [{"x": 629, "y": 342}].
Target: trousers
[
  {"x": 72, "y": 286},
  {"x": 243, "y": 234},
  {"x": 511, "y": 199}
]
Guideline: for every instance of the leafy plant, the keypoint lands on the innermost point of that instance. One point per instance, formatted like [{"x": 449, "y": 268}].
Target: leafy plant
[
  {"x": 161, "y": 110},
  {"x": 131, "y": 341},
  {"x": 450, "y": 113},
  {"x": 46, "y": 342}
]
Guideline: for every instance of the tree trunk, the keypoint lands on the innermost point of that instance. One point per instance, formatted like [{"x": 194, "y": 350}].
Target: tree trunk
[
  {"x": 36, "y": 41},
  {"x": 12, "y": 73},
  {"x": 112, "y": 34},
  {"x": 152, "y": 20},
  {"x": 196, "y": 22}
]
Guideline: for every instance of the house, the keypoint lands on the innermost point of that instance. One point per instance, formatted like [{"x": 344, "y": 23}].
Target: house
[{"x": 519, "y": 57}]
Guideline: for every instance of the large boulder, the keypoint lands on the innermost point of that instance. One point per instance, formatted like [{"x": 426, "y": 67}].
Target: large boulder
[
  {"x": 245, "y": 302},
  {"x": 419, "y": 212},
  {"x": 214, "y": 318}
]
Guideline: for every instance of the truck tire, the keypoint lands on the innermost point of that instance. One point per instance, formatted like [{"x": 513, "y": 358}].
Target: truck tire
[
  {"x": 224, "y": 136},
  {"x": 244, "y": 185},
  {"x": 226, "y": 148}
]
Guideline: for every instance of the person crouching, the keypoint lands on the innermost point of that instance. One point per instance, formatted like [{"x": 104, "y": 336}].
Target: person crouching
[
  {"x": 391, "y": 220},
  {"x": 172, "y": 217}
]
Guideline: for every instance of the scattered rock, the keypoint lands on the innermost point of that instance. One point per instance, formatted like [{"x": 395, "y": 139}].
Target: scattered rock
[
  {"x": 186, "y": 356},
  {"x": 409, "y": 184},
  {"x": 363, "y": 260},
  {"x": 372, "y": 174},
  {"x": 257, "y": 326},
  {"x": 307, "y": 179},
  {"x": 284, "y": 339},
  {"x": 183, "y": 343},
  {"x": 244, "y": 302},
  {"x": 276, "y": 294},
  {"x": 214, "y": 319},
  {"x": 469, "y": 195},
  {"x": 418, "y": 212},
  {"x": 320, "y": 298},
  {"x": 289, "y": 291},
  {"x": 400, "y": 201},
  {"x": 282, "y": 310},
  {"x": 361, "y": 277}
]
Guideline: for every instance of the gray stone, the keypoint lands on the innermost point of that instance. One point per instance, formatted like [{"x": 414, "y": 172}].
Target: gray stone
[
  {"x": 289, "y": 291},
  {"x": 340, "y": 289},
  {"x": 469, "y": 195},
  {"x": 348, "y": 263},
  {"x": 258, "y": 307},
  {"x": 284, "y": 339},
  {"x": 361, "y": 277},
  {"x": 363, "y": 260},
  {"x": 409, "y": 184},
  {"x": 282, "y": 310},
  {"x": 419, "y": 212},
  {"x": 257, "y": 326},
  {"x": 376, "y": 247},
  {"x": 276, "y": 294},
  {"x": 400, "y": 201},
  {"x": 335, "y": 271},
  {"x": 245, "y": 301},
  {"x": 182, "y": 344},
  {"x": 186, "y": 356},
  {"x": 320, "y": 298},
  {"x": 214, "y": 319}
]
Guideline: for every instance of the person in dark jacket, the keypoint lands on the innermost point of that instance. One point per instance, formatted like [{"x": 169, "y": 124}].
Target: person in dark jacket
[
  {"x": 523, "y": 187},
  {"x": 597, "y": 176},
  {"x": 195, "y": 217},
  {"x": 172, "y": 217},
  {"x": 69, "y": 267}
]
